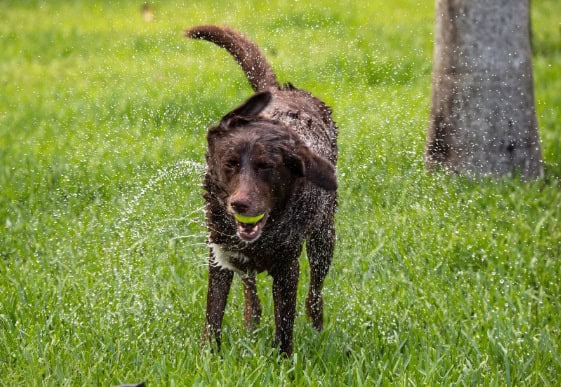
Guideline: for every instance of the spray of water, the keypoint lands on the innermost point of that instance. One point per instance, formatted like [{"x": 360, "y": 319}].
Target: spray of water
[
  {"x": 149, "y": 231},
  {"x": 176, "y": 170}
]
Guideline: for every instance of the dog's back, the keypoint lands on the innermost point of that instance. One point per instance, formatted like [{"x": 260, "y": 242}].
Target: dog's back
[{"x": 298, "y": 109}]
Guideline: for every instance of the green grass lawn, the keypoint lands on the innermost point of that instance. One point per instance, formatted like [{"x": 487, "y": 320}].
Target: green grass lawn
[{"x": 436, "y": 279}]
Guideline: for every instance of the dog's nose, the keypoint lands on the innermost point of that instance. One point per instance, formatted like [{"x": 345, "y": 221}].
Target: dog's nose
[{"x": 240, "y": 205}]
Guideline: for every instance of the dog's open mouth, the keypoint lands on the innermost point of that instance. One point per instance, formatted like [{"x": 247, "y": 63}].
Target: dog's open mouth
[{"x": 249, "y": 227}]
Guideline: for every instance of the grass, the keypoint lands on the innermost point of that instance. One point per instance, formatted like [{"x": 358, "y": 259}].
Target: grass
[{"x": 436, "y": 281}]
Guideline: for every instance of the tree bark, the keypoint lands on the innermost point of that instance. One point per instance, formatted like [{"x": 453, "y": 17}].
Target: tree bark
[{"x": 483, "y": 120}]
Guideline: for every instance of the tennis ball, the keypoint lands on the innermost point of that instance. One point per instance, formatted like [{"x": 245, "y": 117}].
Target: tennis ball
[{"x": 248, "y": 219}]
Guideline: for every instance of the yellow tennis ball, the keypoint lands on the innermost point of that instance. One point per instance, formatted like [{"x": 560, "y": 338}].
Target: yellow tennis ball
[{"x": 248, "y": 219}]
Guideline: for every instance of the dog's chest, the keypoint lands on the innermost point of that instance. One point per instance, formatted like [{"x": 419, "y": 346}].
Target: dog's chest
[{"x": 227, "y": 259}]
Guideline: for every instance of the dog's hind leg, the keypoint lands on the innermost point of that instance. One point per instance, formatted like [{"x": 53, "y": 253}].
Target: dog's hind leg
[
  {"x": 319, "y": 247},
  {"x": 252, "y": 310},
  {"x": 285, "y": 287},
  {"x": 219, "y": 282}
]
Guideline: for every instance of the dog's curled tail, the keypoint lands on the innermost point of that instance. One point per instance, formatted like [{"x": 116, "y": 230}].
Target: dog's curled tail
[{"x": 246, "y": 53}]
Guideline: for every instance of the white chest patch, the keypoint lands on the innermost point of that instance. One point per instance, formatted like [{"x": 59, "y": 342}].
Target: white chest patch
[{"x": 227, "y": 259}]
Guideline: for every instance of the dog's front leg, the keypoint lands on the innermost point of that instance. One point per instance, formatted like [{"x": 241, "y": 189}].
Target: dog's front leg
[
  {"x": 285, "y": 286},
  {"x": 219, "y": 281}
]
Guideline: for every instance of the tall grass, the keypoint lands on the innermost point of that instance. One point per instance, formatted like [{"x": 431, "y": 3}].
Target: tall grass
[{"x": 436, "y": 279}]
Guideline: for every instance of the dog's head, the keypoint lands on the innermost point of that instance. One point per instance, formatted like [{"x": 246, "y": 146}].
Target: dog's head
[{"x": 256, "y": 162}]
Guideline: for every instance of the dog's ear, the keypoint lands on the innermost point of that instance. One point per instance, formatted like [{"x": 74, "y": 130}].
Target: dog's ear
[
  {"x": 306, "y": 163},
  {"x": 254, "y": 104},
  {"x": 250, "y": 108}
]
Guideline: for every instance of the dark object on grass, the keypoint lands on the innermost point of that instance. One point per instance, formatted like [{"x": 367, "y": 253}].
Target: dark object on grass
[{"x": 270, "y": 185}]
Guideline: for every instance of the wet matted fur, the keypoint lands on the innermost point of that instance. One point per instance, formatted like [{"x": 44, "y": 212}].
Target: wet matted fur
[{"x": 270, "y": 186}]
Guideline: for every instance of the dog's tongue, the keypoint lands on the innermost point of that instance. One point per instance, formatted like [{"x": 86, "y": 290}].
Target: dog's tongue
[{"x": 249, "y": 232}]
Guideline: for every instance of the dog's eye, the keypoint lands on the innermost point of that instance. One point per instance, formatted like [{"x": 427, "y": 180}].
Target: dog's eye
[
  {"x": 231, "y": 164},
  {"x": 262, "y": 166}
]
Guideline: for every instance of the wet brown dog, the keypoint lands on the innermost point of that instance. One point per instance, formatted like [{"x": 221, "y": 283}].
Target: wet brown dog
[{"x": 270, "y": 185}]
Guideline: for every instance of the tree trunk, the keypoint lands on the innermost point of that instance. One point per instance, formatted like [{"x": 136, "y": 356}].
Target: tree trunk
[{"x": 483, "y": 119}]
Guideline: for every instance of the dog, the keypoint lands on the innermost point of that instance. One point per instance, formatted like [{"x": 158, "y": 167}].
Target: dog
[{"x": 270, "y": 185}]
